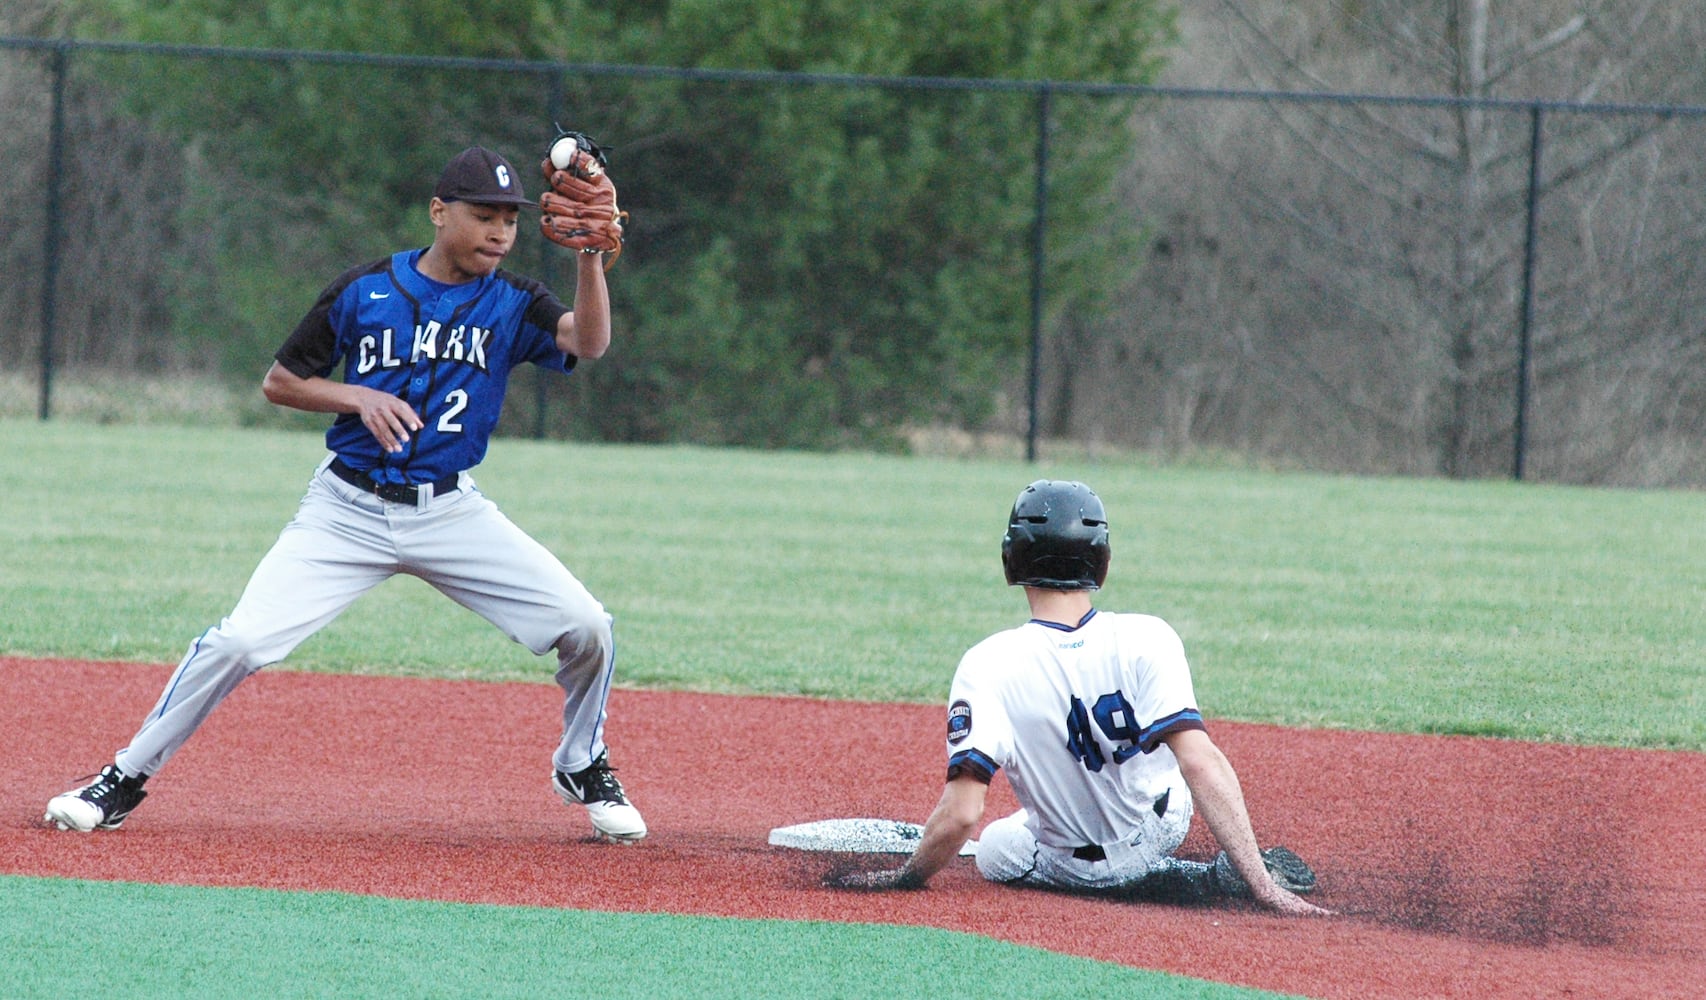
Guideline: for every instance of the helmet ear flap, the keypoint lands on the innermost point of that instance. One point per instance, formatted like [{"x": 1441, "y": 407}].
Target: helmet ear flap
[{"x": 1057, "y": 538}]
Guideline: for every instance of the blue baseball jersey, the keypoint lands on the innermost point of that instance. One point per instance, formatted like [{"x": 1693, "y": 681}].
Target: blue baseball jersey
[{"x": 445, "y": 349}]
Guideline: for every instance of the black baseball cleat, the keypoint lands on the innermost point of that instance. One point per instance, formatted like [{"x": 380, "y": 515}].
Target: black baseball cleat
[
  {"x": 102, "y": 804},
  {"x": 597, "y": 788},
  {"x": 1287, "y": 869}
]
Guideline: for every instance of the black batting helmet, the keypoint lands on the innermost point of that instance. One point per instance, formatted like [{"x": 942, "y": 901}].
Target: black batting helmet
[{"x": 1057, "y": 537}]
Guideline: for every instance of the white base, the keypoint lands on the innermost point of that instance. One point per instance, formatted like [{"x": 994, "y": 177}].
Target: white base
[{"x": 863, "y": 836}]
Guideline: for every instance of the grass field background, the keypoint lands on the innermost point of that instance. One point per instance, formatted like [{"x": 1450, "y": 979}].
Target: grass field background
[{"x": 1483, "y": 608}]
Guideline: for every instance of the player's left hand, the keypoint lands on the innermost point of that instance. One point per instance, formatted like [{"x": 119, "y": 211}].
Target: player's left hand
[
  {"x": 1288, "y": 903},
  {"x": 579, "y": 209},
  {"x": 878, "y": 881}
]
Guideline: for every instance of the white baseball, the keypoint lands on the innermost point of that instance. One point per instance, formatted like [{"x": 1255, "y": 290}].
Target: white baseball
[{"x": 563, "y": 152}]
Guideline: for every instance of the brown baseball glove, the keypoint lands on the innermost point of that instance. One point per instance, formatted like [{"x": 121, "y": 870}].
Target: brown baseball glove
[{"x": 579, "y": 209}]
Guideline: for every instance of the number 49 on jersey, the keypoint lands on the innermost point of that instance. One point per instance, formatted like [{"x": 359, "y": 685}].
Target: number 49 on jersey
[{"x": 1112, "y": 714}]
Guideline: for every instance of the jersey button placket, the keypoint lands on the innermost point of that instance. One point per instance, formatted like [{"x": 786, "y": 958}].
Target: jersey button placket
[
  {"x": 421, "y": 364},
  {"x": 418, "y": 390}
]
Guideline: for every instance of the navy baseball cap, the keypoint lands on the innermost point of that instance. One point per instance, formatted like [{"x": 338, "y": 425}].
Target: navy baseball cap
[{"x": 480, "y": 176}]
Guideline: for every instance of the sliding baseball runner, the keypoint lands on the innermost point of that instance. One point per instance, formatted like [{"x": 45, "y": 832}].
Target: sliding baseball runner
[{"x": 1093, "y": 717}]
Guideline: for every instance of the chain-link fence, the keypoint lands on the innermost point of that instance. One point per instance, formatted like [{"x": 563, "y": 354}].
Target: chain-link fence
[{"x": 1345, "y": 282}]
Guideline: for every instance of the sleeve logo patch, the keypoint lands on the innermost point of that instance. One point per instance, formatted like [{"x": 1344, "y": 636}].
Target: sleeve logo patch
[{"x": 959, "y": 721}]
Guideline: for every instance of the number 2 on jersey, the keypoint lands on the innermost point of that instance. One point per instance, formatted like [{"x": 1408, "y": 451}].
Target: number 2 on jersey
[
  {"x": 1113, "y": 717},
  {"x": 458, "y": 400}
]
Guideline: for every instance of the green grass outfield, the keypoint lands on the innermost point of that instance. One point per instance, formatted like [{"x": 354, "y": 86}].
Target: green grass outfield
[{"x": 1484, "y": 608}]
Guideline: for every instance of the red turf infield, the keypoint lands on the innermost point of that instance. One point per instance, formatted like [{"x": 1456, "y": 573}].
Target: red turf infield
[{"x": 1465, "y": 868}]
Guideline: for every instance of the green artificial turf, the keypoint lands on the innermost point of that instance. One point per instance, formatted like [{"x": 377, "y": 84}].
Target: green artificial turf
[{"x": 61, "y": 938}]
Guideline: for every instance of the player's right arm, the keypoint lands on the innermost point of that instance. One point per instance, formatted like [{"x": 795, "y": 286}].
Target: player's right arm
[
  {"x": 945, "y": 833},
  {"x": 387, "y": 417},
  {"x": 298, "y": 377}
]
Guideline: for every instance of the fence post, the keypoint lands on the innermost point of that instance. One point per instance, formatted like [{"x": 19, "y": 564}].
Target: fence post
[
  {"x": 1039, "y": 230},
  {"x": 554, "y": 99},
  {"x": 50, "y": 241},
  {"x": 1524, "y": 360}
]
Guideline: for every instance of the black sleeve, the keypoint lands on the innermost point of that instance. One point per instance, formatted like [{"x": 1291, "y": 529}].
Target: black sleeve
[
  {"x": 972, "y": 764},
  {"x": 312, "y": 348},
  {"x": 546, "y": 309}
]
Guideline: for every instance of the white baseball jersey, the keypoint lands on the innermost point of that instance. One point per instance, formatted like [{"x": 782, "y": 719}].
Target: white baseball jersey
[{"x": 1076, "y": 716}]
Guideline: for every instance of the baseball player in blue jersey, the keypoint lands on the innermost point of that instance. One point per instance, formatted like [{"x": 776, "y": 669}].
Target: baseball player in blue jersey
[
  {"x": 426, "y": 340},
  {"x": 1093, "y": 716}
]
